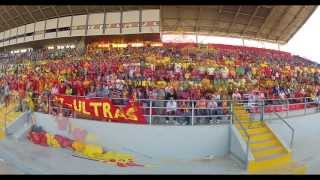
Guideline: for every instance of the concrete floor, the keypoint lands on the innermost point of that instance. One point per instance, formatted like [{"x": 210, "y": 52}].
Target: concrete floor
[
  {"x": 306, "y": 145},
  {"x": 6, "y": 168},
  {"x": 25, "y": 158},
  {"x": 34, "y": 159}
]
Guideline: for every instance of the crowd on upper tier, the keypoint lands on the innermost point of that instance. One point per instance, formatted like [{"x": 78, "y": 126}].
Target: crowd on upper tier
[{"x": 159, "y": 73}]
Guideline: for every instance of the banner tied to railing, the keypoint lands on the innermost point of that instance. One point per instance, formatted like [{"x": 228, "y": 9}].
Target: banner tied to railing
[{"x": 103, "y": 109}]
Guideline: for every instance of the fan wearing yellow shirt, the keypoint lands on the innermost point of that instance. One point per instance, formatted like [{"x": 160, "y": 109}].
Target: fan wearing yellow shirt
[
  {"x": 254, "y": 71},
  {"x": 205, "y": 83}
]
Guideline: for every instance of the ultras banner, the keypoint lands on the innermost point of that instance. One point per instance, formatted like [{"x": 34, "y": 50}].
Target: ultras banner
[{"x": 103, "y": 109}]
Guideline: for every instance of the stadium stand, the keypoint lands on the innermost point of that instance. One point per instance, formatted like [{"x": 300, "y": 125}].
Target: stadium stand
[{"x": 177, "y": 71}]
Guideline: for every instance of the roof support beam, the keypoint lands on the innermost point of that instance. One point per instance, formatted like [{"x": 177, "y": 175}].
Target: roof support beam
[
  {"x": 276, "y": 27},
  {"x": 220, "y": 9},
  {"x": 30, "y": 14},
  {"x": 266, "y": 21},
  {"x": 19, "y": 15},
  {"x": 6, "y": 10},
  {"x": 218, "y": 19},
  {"x": 70, "y": 9},
  {"x": 6, "y": 22},
  {"x": 234, "y": 19},
  {"x": 43, "y": 16},
  {"x": 310, "y": 13},
  {"x": 250, "y": 20},
  {"x": 292, "y": 20},
  {"x": 87, "y": 10},
  {"x": 178, "y": 20},
  {"x": 197, "y": 20},
  {"x": 190, "y": 19},
  {"x": 55, "y": 11}
]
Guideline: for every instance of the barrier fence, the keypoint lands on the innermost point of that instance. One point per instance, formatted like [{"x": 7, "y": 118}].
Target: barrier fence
[
  {"x": 189, "y": 112},
  {"x": 184, "y": 112}
]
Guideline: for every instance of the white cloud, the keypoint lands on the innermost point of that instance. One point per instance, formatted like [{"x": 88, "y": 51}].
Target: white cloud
[{"x": 305, "y": 42}]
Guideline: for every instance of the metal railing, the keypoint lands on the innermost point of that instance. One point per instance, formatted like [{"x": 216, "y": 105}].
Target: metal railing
[
  {"x": 268, "y": 106},
  {"x": 156, "y": 111},
  {"x": 289, "y": 126},
  {"x": 238, "y": 121}
]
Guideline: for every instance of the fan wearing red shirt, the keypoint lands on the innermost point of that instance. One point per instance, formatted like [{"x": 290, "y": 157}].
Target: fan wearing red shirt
[
  {"x": 195, "y": 74},
  {"x": 22, "y": 87},
  {"x": 35, "y": 86},
  {"x": 62, "y": 88},
  {"x": 268, "y": 71},
  {"x": 114, "y": 67},
  {"x": 14, "y": 85},
  {"x": 80, "y": 89},
  {"x": 147, "y": 73}
]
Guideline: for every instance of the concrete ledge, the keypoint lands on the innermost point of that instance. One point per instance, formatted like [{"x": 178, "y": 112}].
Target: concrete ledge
[{"x": 184, "y": 142}]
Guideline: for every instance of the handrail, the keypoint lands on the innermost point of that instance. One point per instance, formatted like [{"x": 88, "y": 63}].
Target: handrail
[
  {"x": 192, "y": 100},
  {"x": 246, "y": 133},
  {"x": 191, "y": 112},
  {"x": 290, "y": 127}
]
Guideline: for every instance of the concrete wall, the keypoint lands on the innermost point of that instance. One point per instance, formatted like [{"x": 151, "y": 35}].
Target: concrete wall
[
  {"x": 150, "y": 141},
  {"x": 238, "y": 146},
  {"x": 308, "y": 124}
]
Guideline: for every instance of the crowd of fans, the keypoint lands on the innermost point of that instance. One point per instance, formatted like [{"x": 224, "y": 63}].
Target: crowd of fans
[{"x": 205, "y": 76}]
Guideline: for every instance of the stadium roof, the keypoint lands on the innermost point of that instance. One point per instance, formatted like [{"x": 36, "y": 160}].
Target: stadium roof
[{"x": 269, "y": 23}]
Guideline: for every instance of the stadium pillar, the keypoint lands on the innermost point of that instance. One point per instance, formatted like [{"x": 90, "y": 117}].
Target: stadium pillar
[
  {"x": 81, "y": 44},
  {"x": 150, "y": 112},
  {"x": 262, "y": 110},
  {"x": 197, "y": 38},
  {"x": 288, "y": 106},
  {"x": 192, "y": 113}
]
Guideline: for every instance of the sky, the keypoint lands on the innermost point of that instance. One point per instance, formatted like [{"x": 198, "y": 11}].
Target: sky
[{"x": 303, "y": 43}]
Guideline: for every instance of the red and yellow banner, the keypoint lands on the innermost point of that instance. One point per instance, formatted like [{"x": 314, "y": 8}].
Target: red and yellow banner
[{"x": 103, "y": 109}]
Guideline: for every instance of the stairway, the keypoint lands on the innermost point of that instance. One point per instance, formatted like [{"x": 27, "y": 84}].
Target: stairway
[{"x": 270, "y": 156}]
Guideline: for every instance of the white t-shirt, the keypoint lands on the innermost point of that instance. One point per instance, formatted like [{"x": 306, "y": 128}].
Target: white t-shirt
[
  {"x": 171, "y": 106},
  {"x": 210, "y": 71},
  {"x": 224, "y": 72},
  {"x": 236, "y": 96},
  {"x": 54, "y": 90},
  {"x": 177, "y": 68},
  {"x": 317, "y": 100},
  {"x": 282, "y": 95},
  {"x": 212, "y": 104}
]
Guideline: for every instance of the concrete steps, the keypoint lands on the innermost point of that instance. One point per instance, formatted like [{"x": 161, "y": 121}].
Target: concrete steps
[
  {"x": 270, "y": 156},
  {"x": 288, "y": 168}
]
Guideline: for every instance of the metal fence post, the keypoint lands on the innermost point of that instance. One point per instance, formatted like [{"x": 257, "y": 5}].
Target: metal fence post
[
  {"x": 150, "y": 112},
  {"x": 262, "y": 110},
  {"x": 288, "y": 107},
  {"x": 231, "y": 109},
  {"x": 305, "y": 105},
  {"x": 192, "y": 113},
  {"x": 318, "y": 104},
  {"x": 48, "y": 104},
  {"x": 75, "y": 112}
]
